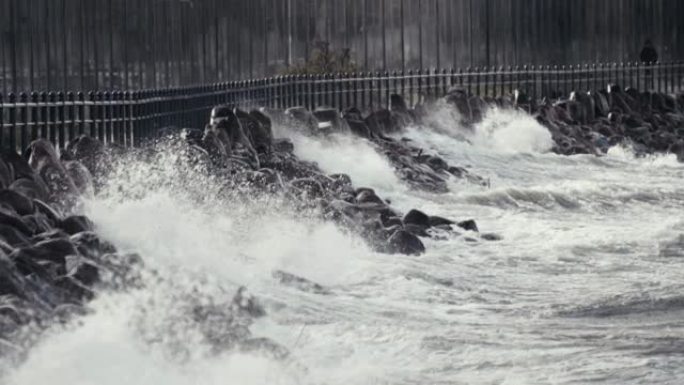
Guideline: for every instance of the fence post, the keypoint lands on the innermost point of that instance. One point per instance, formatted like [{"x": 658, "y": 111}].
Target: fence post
[
  {"x": 53, "y": 118},
  {"x": 2, "y": 120},
  {"x": 292, "y": 90},
  {"x": 395, "y": 83},
  {"x": 558, "y": 71},
  {"x": 127, "y": 119},
  {"x": 379, "y": 83},
  {"x": 515, "y": 83},
  {"x": 402, "y": 81},
  {"x": 35, "y": 112},
  {"x": 670, "y": 70},
  {"x": 99, "y": 106},
  {"x": 71, "y": 117},
  {"x": 659, "y": 76},
  {"x": 410, "y": 87},
  {"x": 334, "y": 88},
  {"x": 327, "y": 90},
  {"x": 368, "y": 90},
  {"x": 339, "y": 83},
  {"x": 421, "y": 91},
  {"x": 468, "y": 80},
  {"x": 61, "y": 118},
  {"x": 531, "y": 81},
  {"x": 387, "y": 89},
  {"x": 136, "y": 113},
  {"x": 109, "y": 104},
  {"x": 282, "y": 86},
  {"x": 13, "y": 121},
  {"x": 588, "y": 75},
  {"x": 25, "y": 120},
  {"x": 352, "y": 96},
  {"x": 44, "y": 106},
  {"x": 601, "y": 77},
  {"x": 427, "y": 75},
  {"x": 502, "y": 81},
  {"x": 120, "y": 110},
  {"x": 299, "y": 90}
]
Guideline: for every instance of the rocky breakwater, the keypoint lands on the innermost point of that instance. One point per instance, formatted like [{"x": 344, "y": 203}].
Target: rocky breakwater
[
  {"x": 592, "y": 122},
  {"x": 51, "y": 261},
  {"x": 241, "y": 147},
  {"x": 413, "y": 165}
]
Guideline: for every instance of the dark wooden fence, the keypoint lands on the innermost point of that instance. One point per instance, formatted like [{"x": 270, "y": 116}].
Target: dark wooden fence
[
  {"x": 128, "y": 118},
  {"x": 134, "y": 44}
]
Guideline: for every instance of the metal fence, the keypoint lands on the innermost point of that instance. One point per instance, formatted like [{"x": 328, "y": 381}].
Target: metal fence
[
  {"x": 74, "y": 45},
  {"x": 131, "y": 117}
]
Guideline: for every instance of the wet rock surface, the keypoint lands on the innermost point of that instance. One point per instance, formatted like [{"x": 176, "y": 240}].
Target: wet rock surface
[
  {"x": 52, "y": 261},
  {"x": 592, "y": 122}
]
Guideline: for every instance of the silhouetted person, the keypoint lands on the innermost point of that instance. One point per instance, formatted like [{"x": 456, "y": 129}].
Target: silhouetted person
[
  {"x": 649, "y": 56},
  {"x": 649, "y": 53}
]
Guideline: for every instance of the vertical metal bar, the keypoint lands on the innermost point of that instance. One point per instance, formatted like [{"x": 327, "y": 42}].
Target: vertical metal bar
[
  {"x": 52, "y": 118},
  {"x": 44, "y": 116},
  {"x": 61, "y": 120},
  {"x": 2, "y": 117},
  {"x": 410, "y": 87},
  {"x": 81, "y": 121},
  {"x": 469, "y": 79},
  {"x": 35, "y": 117},
  {"x": 12, "y": 121},
  {"x": 71, "y": 116}
]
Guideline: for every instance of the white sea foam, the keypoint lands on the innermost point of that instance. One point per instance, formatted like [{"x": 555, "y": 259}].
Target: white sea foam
[{"x": 581, "y": 236}]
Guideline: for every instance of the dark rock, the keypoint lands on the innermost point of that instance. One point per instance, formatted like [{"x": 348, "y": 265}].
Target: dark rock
[
  {"x": 491, "y": 237},
  {"x": 91, "y": 246},
  {"x": 17, "y": 201},
  {"x": 33, "y": 188},
  {"x": 76, "y": 224},
  {"x": 468, "y": 225},
  {"x": 368, "y": 196},
  {"x": 38, "y": 223},
  {"x": 419, "y": 231},
  {"x": 403, "y": 242},
  {"x": 435, "y": 221},
  {"x": 416, "y": 217}
]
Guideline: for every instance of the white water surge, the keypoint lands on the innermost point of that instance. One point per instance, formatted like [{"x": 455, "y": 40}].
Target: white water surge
[{"x": 586, "y": 287}]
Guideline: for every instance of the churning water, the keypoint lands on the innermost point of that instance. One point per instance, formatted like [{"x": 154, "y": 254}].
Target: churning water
[{"x": 585, "y": 287}]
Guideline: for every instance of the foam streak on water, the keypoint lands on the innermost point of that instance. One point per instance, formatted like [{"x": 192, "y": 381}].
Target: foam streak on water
[{"x": 585, "y": 287}]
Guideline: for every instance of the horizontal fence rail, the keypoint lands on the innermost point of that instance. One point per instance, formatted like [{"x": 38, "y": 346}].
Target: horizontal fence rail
[{"x": 128, "y": 118}]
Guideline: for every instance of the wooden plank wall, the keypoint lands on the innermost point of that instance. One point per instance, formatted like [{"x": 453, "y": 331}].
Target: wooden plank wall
[{"x": 118, "y": 44}]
